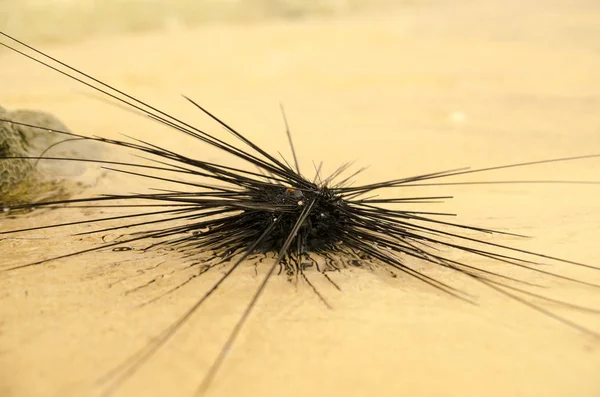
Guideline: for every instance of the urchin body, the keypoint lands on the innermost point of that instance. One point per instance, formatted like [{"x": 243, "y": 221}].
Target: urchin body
[{"x": 323, "y": 226}]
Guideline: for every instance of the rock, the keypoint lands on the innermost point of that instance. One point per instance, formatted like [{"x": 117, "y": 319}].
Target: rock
[{"x": 22, "y": 180}]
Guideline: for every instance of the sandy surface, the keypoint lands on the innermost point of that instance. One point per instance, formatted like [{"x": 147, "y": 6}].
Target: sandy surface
[{"x": 415, "y": 90}]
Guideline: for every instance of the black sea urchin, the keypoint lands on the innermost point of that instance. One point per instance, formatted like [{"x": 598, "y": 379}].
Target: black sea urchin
[{"x": 233, "y": 213}]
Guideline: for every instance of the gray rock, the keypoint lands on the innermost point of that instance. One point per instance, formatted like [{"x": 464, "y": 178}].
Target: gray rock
[{"x": 21, "y": 179}]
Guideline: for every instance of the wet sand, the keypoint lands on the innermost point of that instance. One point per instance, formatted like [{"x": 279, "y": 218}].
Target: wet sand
[{"x": 419, "y": 89}]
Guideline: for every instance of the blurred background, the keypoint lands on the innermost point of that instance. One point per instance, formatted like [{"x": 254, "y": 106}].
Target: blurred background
[{"x": 38, "y": 19}]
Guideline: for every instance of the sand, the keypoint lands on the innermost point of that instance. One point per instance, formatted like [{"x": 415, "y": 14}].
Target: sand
[{"x": 416, "y": 89}]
